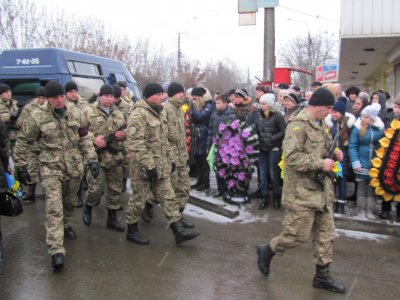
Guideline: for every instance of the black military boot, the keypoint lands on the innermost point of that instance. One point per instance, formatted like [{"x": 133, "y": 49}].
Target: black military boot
[
  {"x": 264, "y": 202},
  {"x": 339, "y": 208},
  {"x": 124, "y": 180},
  {"x": 30, "y": 193},
  {"x": 57, "y": 261},
  {"x": 180, "y": 234},
  {"x": 69, "y": 233},
  {"x": 185, "y": 222},
  {"x": 203, "y": 187},
  {"x": 135, "y": 236},
  {"x": 147, "y": 213},
  {"x": 196, "y": 185},
  {"x": 323, "y": 280},
  {"x": 386, "y": 208},
  {"x": 112, "y": 221},
  {"x": 87, "y": 214},
  {"x": 277, "y": 201},
  {"x": 265, "y": 255}
]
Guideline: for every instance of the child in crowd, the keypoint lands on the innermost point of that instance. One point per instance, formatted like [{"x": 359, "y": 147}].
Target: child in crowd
[
  {"x": 340, "y": 122},
  {"x": 364, "y": 139},
  {"x": 223, "y": 114}
]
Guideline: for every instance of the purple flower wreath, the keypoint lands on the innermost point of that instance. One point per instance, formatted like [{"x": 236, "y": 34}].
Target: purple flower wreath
[{"x": 236, "y": 151}]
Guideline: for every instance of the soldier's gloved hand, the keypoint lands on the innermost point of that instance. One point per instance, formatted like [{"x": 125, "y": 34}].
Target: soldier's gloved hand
[
  {"x": 173, "y": 167},
  {"x": 94, "y": 169},
  {"x": 23, "y": 175},
  {"x": 152, "y": 174}
]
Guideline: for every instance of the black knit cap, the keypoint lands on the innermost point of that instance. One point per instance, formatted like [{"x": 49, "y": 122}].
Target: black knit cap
[
  {"x": 283, "y": 86},
  {"x": 198, "y": 91},
  {"x": 175, "y": 88},
  {"x": 4, "y": 88},
  {"x": 322, "y": 97},
  {"x": 316, "y": 83},
  {"x": 41, "y": 92},
  {"x": 106, "y": 90},
  {"x": 117, "y": 91},
  {"x": 54, "y": 89},
  {"x": 293, "y": 98},
  {"x": 151, "y": 89},
  {"x": 121, "y": 84},
  {"x": 70, "y": 86}
]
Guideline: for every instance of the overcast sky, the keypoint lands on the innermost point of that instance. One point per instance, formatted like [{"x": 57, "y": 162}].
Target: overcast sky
[{"x": 211, "y": 27}]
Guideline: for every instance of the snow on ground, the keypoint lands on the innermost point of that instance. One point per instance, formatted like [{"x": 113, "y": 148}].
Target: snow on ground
[
  {"x": 244, "y": 215},
  {"x": 359, "y": 235}
]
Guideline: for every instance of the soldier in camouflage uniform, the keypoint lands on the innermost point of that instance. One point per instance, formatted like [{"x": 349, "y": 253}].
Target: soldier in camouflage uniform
[
  {"x": 126, "y": 108},
  {"x": 33, "y": 161},
  {"x": 124, "y": 94},
  {"x": 106, "y": 123},
  {"x": 62, "y": 136},
  {"x": 9, "y": 113},
  {"x": 307, "y": 202},
  {"x": 151, "y": 166}
]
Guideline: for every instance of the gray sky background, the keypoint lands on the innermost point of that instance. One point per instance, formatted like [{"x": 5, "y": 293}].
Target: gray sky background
[{"x": 211, "y": 27}]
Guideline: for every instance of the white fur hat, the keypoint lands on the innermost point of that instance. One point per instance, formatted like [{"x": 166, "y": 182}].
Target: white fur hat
[{"x": 371, "y": 111}]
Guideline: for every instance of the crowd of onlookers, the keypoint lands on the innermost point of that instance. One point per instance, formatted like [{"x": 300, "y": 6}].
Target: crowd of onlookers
[{"x": 357, "y": 117}]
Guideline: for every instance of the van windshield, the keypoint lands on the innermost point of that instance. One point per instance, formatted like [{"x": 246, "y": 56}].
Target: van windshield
[{"x": 23, "y": 89}]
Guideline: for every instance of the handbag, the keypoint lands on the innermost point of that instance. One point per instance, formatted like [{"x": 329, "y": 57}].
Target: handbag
[{"x": 10, "y": 205}]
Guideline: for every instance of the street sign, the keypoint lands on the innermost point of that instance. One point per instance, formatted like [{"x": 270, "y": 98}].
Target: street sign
[
  {"x": 247, "y": 6},
  {"x": 268, "y": 3},
  {"x": 327, "y": 73}
]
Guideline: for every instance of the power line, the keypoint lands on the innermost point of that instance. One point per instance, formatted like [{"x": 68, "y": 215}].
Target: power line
[{"x": 307, "y": 14}]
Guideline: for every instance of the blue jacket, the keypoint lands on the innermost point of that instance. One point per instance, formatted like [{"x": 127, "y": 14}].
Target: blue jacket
[
  {"x": 362, "y": 149},
  {"x": 201, "y": 119}
]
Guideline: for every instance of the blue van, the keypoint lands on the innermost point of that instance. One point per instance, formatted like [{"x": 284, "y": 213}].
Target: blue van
[{"x": 24, "y": 70}]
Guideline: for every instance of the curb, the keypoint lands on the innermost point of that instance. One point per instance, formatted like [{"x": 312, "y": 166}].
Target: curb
[{"x": 215, "y": 207}]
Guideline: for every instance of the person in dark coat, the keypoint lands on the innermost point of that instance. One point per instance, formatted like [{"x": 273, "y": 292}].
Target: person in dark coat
[
  {"x": 201, "y": 110},
  {"x": 223, "y": 114},
  {"x": 378, "y": 97},
  {"x": 270, "y": 127}
]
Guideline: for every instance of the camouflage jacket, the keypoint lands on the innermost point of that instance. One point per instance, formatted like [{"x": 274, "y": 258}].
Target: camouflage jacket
[
  {"x": 304, "y": 147},
  {"x": 63, "y": 141},
  {"x": 125, "y": 107},
  {"x": 80, "y": 103},
  {"x": 106, "y": 125},
  {"x": 175, "y": 117},
  {"x": 148, "y": 142},
  {"x": 8, "y": 109},
  {"x": 27, "y": 110}
]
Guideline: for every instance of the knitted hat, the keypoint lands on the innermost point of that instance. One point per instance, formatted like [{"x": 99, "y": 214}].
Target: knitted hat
[
  {"x": 151, "y": 89},
  {"x": 165, "y": 87},
  {"x": 175, "y": 88},
  {"x": 268, "y": 99},
  {"x": 371, "y": 111},
  {"x": 316, "y": 83},
  {"x": 322, "y": 97},
  {"x": 242, "y": 93},
  {"x": 54, "y": 89},
  {"x": 70, "y": 86},
  {"x": 340, "y": 105},
  {"x": 41, "y": 92},
  {"x": 296, "y": 88},
  {"x": 4, "y": 88},
  {"x": 198, "y": 91},
  {"x": 106, "y": 89},
  {"x": 262, "y": 88},
  {"x": 121, "y": 84},
  {"x": 283, "y": 86},
  {"x": 293, "y": 98},
  {"x": 117, "y": 91}
]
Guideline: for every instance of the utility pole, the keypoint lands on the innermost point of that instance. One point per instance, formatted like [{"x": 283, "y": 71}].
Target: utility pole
[
  {"x": 179, "y": 59},
  {"x": 269, "y": 44}
]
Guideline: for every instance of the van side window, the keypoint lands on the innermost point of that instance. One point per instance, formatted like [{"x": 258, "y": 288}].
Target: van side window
[
  {"x": 88, "y": 86},
  {"x": 82, "y": 68}
]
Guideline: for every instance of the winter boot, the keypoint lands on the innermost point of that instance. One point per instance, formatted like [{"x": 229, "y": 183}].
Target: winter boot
[
  {"x": 264, "y": 202},
  {"x": 323, "y": 280},
  {"x": 180, "y": 234},
  {"x": 135, "y": 236},
  {"x": 112, "y": 221},
  {"x": 147, "y": 213},
  {"x": 277, "y": 201},
  {"x": 386, "y": 208},
  {"x": 57, "y": 261},
  {"x": 69, "y": 233},
  {"x": 185, "y": 222},
  {"x": 196, "y": 185},
  {"x": 339, "y": 208},
  {"x": 87, "y": 214},
  {"x": 30, "y": 193},
  {"x": 124, "y": 180},
  {"x": 265, "y": 255},
  {"x": 203, "y": 187}
]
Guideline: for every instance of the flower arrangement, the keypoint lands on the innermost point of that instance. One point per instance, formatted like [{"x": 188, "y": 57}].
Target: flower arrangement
[{"x": 236, "y": 150}]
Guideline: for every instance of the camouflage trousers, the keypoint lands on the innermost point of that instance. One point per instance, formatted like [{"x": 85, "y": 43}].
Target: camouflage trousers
[
  {"x": 110, "y": 178},
  {"x": 33, "y": 167},
  {"x": 60, "y": 196},
  {"x": 142, "y": 191},
  {"x": 181, "y": 185},
  {"x": 297, "y": 228},
  {"x": 126, "y": 173}
]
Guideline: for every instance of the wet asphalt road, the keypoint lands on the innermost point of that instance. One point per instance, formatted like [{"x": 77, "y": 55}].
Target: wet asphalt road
[{"x": 220, "y": 264}]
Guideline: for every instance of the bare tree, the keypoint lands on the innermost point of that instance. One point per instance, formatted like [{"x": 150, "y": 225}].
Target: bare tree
[{"x": 307, "y": 53}]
